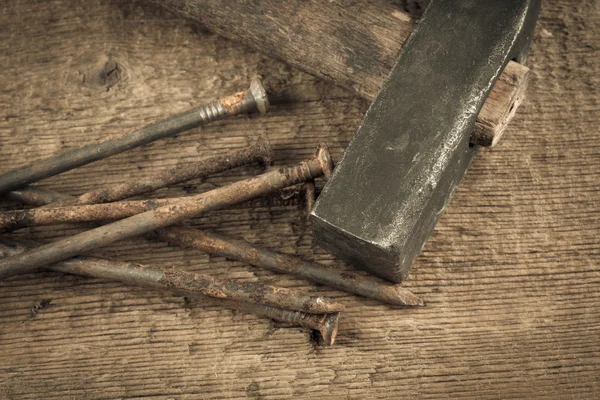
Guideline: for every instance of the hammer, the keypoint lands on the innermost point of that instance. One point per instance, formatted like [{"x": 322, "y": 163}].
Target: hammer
[
  {"x": 440, "y": 88},
  {"x": 353, "y": 44}
]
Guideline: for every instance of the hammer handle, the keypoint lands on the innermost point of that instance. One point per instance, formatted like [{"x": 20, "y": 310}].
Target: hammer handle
[{"x": 352, "y": 43}]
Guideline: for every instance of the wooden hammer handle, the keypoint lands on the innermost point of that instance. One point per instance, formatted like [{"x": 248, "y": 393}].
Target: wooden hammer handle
[{"x": 353, "y": 43}]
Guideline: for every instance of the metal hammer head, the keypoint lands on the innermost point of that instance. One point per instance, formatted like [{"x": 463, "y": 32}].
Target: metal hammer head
[{"x": 412, "y": 147}]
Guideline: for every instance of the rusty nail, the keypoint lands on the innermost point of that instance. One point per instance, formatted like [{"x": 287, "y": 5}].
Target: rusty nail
[
  {"x": 243, "y": 251},
  {"x": 49, "y": 215},
  {"x": 188, "y": 283},
  {"x": 261, "y": 152},
  {"x": 37, "y": 197},
  {"x": 191, "y": 284},
  {"x": 253, "y": 99},
  {"x": 59, "y": 214},
  {"x": 170, "y": 214},
  {"x": 325, "y": 324}
]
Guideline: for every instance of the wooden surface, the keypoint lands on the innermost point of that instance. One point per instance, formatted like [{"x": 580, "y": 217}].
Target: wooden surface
[{"x": 511, "y": 276}]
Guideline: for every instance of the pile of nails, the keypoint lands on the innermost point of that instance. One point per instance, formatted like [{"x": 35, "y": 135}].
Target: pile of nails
[{"x": 119, "y": 219}]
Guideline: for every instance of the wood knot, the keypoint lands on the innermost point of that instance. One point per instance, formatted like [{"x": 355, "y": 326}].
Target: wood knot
[
  {"x": 110, "y": 74},
  {"x": 100, "y": 71}
]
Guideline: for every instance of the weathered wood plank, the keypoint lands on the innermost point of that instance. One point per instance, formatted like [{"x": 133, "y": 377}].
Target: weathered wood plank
[{"x": 510, "y": 276}]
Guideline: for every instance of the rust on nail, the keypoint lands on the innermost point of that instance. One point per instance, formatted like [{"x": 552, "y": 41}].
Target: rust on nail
[
  {"x": 261, "y": 152},
  {"x": 246, "y": 189},
  {"x": 251, "y": 292},
  {"x": 134, "y": 274},
  {"x": 233, "y": 103},
  {"x": 367, "y": 286}
]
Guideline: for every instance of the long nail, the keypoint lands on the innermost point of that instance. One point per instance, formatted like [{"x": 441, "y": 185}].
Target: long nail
[
  {"x": 251, "y": 100},
  {"x": 50, "y": 215},
  {"x": 188, "y": 283},
  {"x": 242, "y": 251},
  {"x": 192, "y": 284},
  {"x": 37, "y": 197},
  {"x": 326, "y": 324},
  {"x": 167, "y": 215},
  {"x": 261, "y": 152}
]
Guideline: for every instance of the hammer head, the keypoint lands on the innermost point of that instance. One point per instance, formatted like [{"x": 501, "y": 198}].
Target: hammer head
[{"x": 412, "y": 147}]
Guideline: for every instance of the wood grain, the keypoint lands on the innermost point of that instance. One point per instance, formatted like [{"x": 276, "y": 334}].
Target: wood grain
[
  {"x": 510, "y": 277},
  {"x": 351, "y": 43}
]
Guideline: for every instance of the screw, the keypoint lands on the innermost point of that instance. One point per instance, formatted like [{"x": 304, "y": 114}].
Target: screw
[
  {"x": 325, "y": 324},
  {"x": 253, "y": 99},
  {"x": 170, "y": 214},
  {"x": 243, "y": 251}
]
